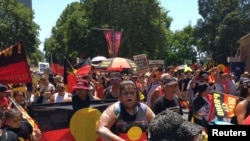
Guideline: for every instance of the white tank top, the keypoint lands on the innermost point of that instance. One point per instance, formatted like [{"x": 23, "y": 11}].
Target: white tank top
[{"x": 59, "y": 98}]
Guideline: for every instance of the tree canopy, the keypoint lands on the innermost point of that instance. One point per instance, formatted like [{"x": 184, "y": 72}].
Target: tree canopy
[{"x": 16, "y": 23}]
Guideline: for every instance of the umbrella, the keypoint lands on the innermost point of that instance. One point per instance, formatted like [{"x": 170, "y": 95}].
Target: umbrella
[
  {"x": 117, "y": 64},
  {"x": 98, "y": 58}
]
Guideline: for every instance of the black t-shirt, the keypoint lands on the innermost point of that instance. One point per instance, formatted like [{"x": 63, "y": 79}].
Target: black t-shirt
[
  {"x": 24, "y": 131},
  {"x": 78, "y": 103},
  {"x": 8, "y": 136},
  {"x": 161, "y": 104}
]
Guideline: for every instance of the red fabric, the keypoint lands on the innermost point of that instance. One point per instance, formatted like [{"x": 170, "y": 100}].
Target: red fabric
[
  {"x": 247, "y": 121},
  {"x": 71, "y": 82},
  {"x": 83, "y": 70},
  {"x": 143, "y": 137},
  {"x": 99, "y": 91},
  {"x": 211, "y": 115},
  {"x": 57, "y": 135},
  {"x": 56, "y": 67},
  {"x": 83, "y": 67}
]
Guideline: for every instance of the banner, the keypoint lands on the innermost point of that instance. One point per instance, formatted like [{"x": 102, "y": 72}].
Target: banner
[
  {"x": 224, "y": 104},
  {"x": 117, "y": 39},
  {"x": 58, "y": 122},
  {"x": 14, "y": 67},
  {"x": 118, "y": 36}
]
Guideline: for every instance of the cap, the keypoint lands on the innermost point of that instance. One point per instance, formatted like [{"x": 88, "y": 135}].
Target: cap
[
  {"x": 4, "y": 88},
  {"x": 169, "y": 81},
  {"x": 169, "y": 125},
  {"x": 82, "y": 84}
]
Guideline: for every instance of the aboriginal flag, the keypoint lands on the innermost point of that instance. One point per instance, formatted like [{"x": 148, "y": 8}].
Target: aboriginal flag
[
  {"x": 83, "y": 67},
  {"x": 69, "y": 77},
  {"x": 57, "y": 68},
  {"x": 14, "y": 67},
  {"x": 58, "y": 122}
]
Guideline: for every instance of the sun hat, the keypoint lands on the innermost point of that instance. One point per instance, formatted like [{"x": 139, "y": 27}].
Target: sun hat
[
  {"x": 59, "y": 78},
  {"x": 82, "y": 85},
  {"x": 169, "y": 125}
]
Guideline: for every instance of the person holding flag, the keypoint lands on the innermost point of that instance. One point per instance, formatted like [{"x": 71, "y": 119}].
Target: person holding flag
[
  {"x": 201, "y": 106},
  {"x": 20, "y": 126}
]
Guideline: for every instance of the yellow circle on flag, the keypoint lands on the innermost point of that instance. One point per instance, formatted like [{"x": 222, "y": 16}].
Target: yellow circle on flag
[
  {"x": 83, "y": 124},
  {"x": 134, "y": 133}
]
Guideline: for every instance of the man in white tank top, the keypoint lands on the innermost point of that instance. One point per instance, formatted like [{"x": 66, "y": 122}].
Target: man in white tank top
[{"x": 61, "y": 95}]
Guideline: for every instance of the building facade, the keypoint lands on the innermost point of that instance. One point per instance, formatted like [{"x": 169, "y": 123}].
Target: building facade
[
  {"x": 27, "y": 3},
  {"x": 245, "y": 51}
]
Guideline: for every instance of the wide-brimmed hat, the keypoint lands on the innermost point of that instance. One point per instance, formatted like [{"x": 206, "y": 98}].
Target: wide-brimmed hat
[
  {"x": 82, "y": 84},
  {"x": 59, "y": 78},
  {"x": 169, "y": 125},
  {"x": 4, "y": 88}
]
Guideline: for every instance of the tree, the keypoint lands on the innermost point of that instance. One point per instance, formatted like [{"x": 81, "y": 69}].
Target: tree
[
  {"x": 16, "y": 23},
  {"x": 69, "y": 34},
  {"x": 181, "y": 47},
  {"x": 144, "y": 22},
  {"x": 223, "y": 23}
]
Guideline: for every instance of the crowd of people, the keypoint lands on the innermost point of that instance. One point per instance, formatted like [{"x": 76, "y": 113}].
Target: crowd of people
[{"x": 144, "y": 102}]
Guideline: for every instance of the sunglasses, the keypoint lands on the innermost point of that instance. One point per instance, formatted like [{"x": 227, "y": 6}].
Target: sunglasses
[{"x": 115, "y": 79}]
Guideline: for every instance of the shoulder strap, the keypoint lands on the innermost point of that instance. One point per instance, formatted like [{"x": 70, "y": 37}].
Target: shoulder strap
[
  {"x": 106, "y": 92},
  {"x": 117, "y": 108},
  {"x": 143, "y": 107}
]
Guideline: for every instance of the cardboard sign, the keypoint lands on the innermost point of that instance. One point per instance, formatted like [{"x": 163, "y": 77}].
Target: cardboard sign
[
  {"x": 141, "y": 63},
  {"x": 43, "y": 66}
]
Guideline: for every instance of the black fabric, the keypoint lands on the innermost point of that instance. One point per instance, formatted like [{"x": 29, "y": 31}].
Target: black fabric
[
  {"x": 24, "y": 131},
  {"x": 8, "y": 136},
  {"x": 39, "y": 100},
  {"x": 78, "y": 103},
  {"x": 108, "y": 95},
  {"x": 162, "y": 104},
  {"x": 199, "y": 102}
]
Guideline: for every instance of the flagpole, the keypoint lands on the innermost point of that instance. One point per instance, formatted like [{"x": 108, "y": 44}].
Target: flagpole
[
  {"x": 71, "y": 67},
  {"x": 51, "y": 56}
]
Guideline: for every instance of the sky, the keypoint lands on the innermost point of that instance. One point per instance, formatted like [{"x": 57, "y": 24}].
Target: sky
[{"x": 183, "y": 12}]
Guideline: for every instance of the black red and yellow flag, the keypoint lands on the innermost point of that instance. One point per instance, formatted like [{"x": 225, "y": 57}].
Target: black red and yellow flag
[
  {"x": 83, "y": 67},
  {"x": 69, "y": 76},
  {"x": 58, "y": 122},
  {"x": 14, "y": 67},
  {"x": 57, "y": 68}
]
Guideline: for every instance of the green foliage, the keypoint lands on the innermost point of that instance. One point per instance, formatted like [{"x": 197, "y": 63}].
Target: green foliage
[
  {"x": 224, "y": 22},
  {"x": 16, "y": 23},
  {"x": 144, "y": 23}
]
